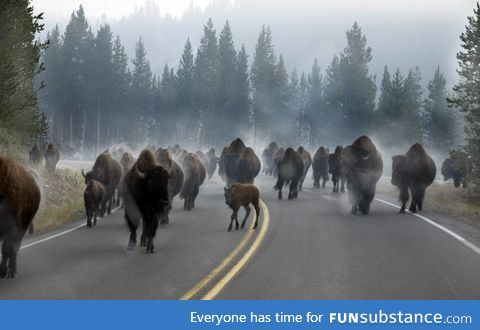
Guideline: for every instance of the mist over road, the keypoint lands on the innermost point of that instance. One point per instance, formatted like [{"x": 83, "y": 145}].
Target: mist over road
[{"x": 313, "y": 249}]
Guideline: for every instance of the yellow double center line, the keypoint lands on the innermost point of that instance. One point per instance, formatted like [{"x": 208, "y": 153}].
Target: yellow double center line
[{"x": 236, "y": 268}]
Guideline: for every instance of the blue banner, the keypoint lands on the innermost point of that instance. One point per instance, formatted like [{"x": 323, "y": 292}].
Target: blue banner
[{"x": 258, "y": 314}]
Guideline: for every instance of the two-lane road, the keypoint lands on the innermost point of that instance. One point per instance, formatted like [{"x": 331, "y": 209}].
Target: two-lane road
[{"x": 313, "y": 249}]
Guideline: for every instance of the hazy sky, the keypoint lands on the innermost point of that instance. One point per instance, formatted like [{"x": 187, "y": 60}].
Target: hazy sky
[{"x": 402, "y": 33}]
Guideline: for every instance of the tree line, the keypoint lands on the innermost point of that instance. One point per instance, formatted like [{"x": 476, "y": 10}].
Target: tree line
[{"x": 96, "y": 95}]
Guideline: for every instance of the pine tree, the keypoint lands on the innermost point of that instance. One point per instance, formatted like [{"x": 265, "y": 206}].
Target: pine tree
[
  {"x": 262, "y": 76},
  {"x": 225, "y": 90},
  {"x": 185, "y": 94},
  {"x": 21, "y": 122},
  {"x": 242, "y": 104},
  {"x": 141, "y": 95},
  {"x": 120, "y": 90},
  {"x": 439, "y": 119},
  {"x": 205, "y": 83},
  {"x": 466, "y": 97},
  {"x": 358, "y": 85},
  {"x": 333, "y": 103},
  {"x": 316, "y": 121},
  {"x": 412, "y": 106},
  {"x": 280, "y": 98}
]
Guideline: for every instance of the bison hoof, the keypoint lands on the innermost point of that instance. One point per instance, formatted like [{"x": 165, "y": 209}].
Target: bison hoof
[
  {"x": 3, "y": 272},
  {"x": 11, "y": 274},
  {"x": 402, "y": 211},
  {"x": 354, "y": 210},
  {"x": 89, "y": 224},
  {"x": 229, "y": 228},
  {"x": 150, "y": 247},
  {"x": 131, "y": 246}
]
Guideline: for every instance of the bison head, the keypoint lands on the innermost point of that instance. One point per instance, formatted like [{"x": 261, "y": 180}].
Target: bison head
[{"x": 156, "y": 183}]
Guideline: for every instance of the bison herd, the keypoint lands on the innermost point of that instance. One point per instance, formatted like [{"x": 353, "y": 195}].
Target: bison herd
[{"x": 146, "y": 186}]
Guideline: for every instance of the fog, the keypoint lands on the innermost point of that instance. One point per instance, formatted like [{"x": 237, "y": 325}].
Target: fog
[{"x": 401, "y": 33}]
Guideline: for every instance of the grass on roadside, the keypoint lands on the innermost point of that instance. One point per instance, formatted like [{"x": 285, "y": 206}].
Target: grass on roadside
[{"x": 445, "y": 198}]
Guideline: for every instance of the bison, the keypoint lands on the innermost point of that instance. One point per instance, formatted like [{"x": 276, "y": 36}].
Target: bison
[
  {"x": 289, "y": 171},
  {"x": 336, "y": 169},
  {"x": 307, "y": 162},
  {"x": 242, "y": 195},
  {"x": 175, "y": 181},
  {"x": 413, "y": 172},
  {"x": 146, "y": 197},
  {"x": 35, "y": 155},
  {"x": 363, "y": 167},
  {"x": 457, "y": 167},
  {"x": 212, "y": 162},
  {"x": 19, "y": 202},
  {"x": 52, "y": 156},
  {"x": 241, "y": 163},
  {"x": 221, "y": 164},
  {"x": 92, "y": 197},
  {"x": 107, "y": 171},
  {"x": 267, "y": 158},
  {"x": 194, "y": 175},
  {"x": 320, "y": 167}
]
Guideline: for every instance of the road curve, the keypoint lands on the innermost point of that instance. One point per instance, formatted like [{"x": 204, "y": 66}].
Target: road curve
[{"x": 312, "y": 249}]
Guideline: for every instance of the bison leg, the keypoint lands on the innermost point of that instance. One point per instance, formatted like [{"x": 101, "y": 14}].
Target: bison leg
[
  {"x": 151, "y": 229},
  {"x": 247, "y": 210},
  {"x": 364, "y": 207},
  {"x": 95, "y": 216},
  {"x": 257, "y": 211},
  {"x": 279, "y": 186},
  {"x": 11, "y": 245},
  {"x": 132, "y": 225},
  {"x": 404, "y": 196},
  {"x": 335, "y": 184},
  {"x": 30, "y": 229},
  {"x": 342, "y": 189}
]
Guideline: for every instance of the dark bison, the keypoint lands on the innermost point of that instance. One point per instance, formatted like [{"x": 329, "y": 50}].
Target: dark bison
[
  {"x": 241, "y": 163},
  {"x": 19, "y": 201},
  {"x": 363, "y": 167},
  {"x": 194, "y": 174},
  {"x": 267, "y": 158},
  {"x": 107, "y": 171},
  {"x": 92, "y": 197},
  {"x": 212, "y": 162},
  {"x": 52, "y": 156},
  {"x": 289, "y": 171},
  {"x": 175, "y": 180},
  {"x": 146, "y": 197},
  {"x": 336, "y": 169},
  {"x": 35, "y": 155},
  {"x": 457, "y": 167},
  {"x": 415, "y": 172},
  {"x": 277, "y": 157},
  {"x": 307, "y": 162},
  {"x": 242, "y": 195},
  {"x": 320, "y": 167}
]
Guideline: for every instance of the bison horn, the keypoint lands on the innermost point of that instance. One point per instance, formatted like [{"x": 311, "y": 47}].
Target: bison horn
[
  {"x": 83, "y": 174},
  {"x": 141, "y": 175}
]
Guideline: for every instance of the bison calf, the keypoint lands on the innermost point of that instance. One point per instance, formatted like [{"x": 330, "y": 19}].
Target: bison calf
[
  {"x": 242, "y": 195},
  {"x": 93, "y": 196}
]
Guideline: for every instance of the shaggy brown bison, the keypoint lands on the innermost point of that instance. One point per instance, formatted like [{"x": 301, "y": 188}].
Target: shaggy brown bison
[
  {"x": 194, "y": 174},
  {"x": 52, "y": 156},
  {"x": 267, "y": 158},
  {"x": 146, "y": 197},
  {"x": 242, "y": 195},
  {"x": 212, "y": 162},
  {"x": 320, "y": 167},
  {"x": 35, "y": 155},
  {"x": 241, "y": 163},
  {"x": 363, "y": 167},
  {"x": 107, "y": 171},
  {"x": 19, "y": 201},
  {"x": 289, "y": 171},
  {"x": 307, "y": 162},
  {"x": 336, "y": 169},
  {"x": 415, "y": 172},
  {"x": 92, "y": 197},
  {"x": 175, "y": 181},
  {"x": 457, "y": 167}
]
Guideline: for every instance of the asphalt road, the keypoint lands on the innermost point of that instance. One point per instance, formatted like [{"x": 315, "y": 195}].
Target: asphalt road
[{"x": 312, "y": 249}]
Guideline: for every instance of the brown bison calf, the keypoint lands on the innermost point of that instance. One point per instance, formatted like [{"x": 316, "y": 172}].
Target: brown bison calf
[
  {"x": 19, "y": 201},
  {"x": 93, "y": 196},
  {"x": 242, "y": 195}
]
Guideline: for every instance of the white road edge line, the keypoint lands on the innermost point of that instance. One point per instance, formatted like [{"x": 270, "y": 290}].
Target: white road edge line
[
  {"x": 58, "y": 234},
  {"x": 459, "y": 238}
]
